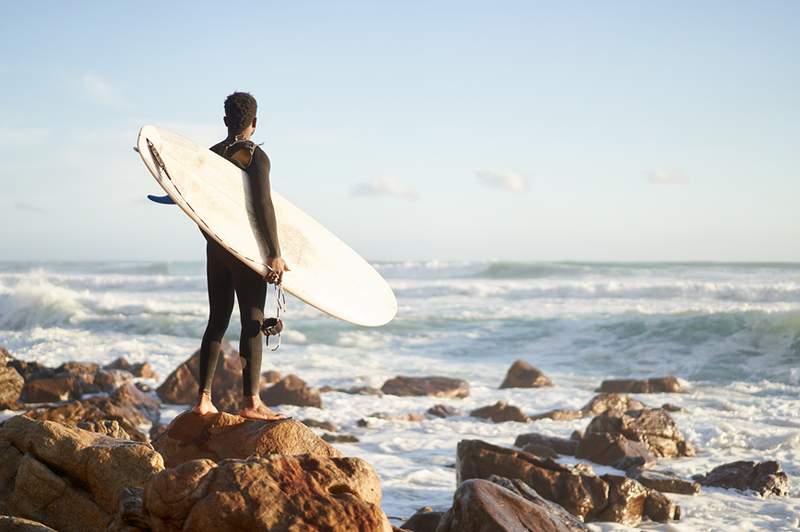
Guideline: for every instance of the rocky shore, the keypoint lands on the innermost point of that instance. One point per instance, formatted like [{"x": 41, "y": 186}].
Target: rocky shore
[{"x": 87, "y": 450}]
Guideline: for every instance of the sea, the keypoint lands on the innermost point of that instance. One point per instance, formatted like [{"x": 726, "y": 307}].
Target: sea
[{"x": 731, "y": 331}]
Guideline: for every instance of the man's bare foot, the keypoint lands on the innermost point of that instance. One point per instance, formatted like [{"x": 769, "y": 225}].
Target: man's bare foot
[
  {"x": 253, "y": 408},
  {"x": 204, "y": 405}
]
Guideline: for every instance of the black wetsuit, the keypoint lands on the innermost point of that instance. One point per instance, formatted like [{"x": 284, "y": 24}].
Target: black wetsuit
[{"x": 228, "y": 275}]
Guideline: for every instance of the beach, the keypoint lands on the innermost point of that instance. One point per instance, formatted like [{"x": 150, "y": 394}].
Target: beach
[{"x": 729, "y": 331}]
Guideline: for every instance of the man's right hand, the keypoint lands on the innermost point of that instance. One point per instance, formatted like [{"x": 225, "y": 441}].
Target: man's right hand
[{"x": 276, "y": 268}]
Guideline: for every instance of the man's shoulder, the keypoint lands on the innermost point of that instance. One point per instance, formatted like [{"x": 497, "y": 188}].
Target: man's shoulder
[{"x": 259, "y": 155}]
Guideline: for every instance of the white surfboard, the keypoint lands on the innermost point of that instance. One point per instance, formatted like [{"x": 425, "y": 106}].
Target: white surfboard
[{"x": 212, "y": 191}]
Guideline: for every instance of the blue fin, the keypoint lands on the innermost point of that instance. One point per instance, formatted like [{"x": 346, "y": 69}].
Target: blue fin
[{"x": 164, "y": 200}]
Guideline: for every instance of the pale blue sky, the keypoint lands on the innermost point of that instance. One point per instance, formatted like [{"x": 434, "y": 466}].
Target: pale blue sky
[{"x": 415, "y": 130}]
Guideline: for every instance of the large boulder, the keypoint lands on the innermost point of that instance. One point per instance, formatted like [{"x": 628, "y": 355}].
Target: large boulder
[
  {"x": 581, "y": 492},
  {"x": 430, "y": 386},
  {"x": 181, "y": 386},
  {"x": 611, "y": 402},
  {"x": 291, "y": 390},
  {"x": 139, "y": 369},
  {"x": 482, "y": 506},
  {"x": 192, "y": 436},
  {"x": 500, "y": 412},
  {"x": 654, "y": 385},
  {"x": 273, "y": 492},
  {"x": 614, "y": 450},
  {"x": 665, "y": 482},
  {"x": 65, "y": 477},
  {"x": 424, "y": 519},
  {"x": 764, "y": 478},
  {"x": 653, "y": 427},
  {"x": 523, "y": 375},
  {"x": 52, "y": 389}
]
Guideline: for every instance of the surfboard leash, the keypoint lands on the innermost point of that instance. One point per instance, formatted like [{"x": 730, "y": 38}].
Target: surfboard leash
[{"x": 274, "y": 326}]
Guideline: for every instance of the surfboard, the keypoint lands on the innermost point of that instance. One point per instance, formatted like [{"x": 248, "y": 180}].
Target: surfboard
[{"x": 325, "y": 272}]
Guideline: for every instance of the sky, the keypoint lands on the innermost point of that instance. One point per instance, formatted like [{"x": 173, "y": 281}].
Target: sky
[{"x": 597, "y": 131}]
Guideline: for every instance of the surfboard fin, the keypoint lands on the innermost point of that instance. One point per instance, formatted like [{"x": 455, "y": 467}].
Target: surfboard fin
[{"x": 163, "y": 200}]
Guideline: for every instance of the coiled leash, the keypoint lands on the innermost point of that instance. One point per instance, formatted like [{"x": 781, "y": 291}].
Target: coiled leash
[{"x": 274, "y": 326}]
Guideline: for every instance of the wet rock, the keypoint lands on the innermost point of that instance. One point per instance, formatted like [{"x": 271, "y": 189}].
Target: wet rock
[
  {"x": 651, "y": 426},
  {"x": 669, "y": 407},
  {"x": 659, "y": 508},
  {"x": 578, "y": 489},
  {"x": 665, "y": 482},
  {"x": 324, "y": 425},
  {"x": 128, "y": 406},
  {"x": 500, "y": 412},
  {"x": 108, "y": 380},
  {"x": 614, "y": 450},
  {"x": 481, "y": 505},
  {"x": 654, "y": 385},
  {"x": 11, "y": 384},
  {"x": 291, "y": 390},
  {"x": 523, "y": 375},
  {"x": 547, "y": 446},
  {"x": 130, "y": 516},
  {"x": 100, "y": 465},
  {"x": 140, "y": 369},
  {"x": 426, "y": 386},
  {"x": 10, "y": 458},
  {"x": 440, "y": 410},
  {"x": 764, "y": 478},
  {"x": 272, "y": 492},
  {"x": 339, "y": 438},
  {"x": 270, "y": 377},
  {"x": 181, "y": 386},
  {"x": 30, "y": 370},
  {"x": 192, "y": 436},
  {"x": 10, "y": 523},
  {"x": 616, "y": 403},
  {"x": 424, "y": 520},
  {"x": 555, "y": 511}
]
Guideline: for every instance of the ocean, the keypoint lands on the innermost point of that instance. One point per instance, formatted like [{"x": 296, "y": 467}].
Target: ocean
[{"x": 731, "y": 331}]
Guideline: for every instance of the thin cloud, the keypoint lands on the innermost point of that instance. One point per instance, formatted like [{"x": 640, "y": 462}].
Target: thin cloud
[
  {"x": 511, "y": 181},
  {"x": 100, "y": 89},
  {"x": 385, "y": 186},
  {"x": 666, "y": 177},
  {"x": 24, "y": 206}
]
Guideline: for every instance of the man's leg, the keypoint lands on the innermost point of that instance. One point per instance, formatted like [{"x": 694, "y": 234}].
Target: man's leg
[
  {"x": 220, "y": 302},
  {"x": 251, "y": 292}
]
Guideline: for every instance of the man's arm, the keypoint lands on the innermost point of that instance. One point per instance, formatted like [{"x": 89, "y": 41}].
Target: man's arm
[{"x": 258, "y": 173}]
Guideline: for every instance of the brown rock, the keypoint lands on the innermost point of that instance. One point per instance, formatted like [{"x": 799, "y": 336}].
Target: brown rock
[
  {"x": 44, "y": 496},
  {"x": 423, "y": 520},
  {"x": 108, "y": 380},
  {"x": 339, "y": 438},
  {"x": 9, "y": 463},
  {"x": 554, "y": 510},
  {"x": 660, "y": 509},
  {"x": 291, "y": 390},
  {"x": 578, "y": 489},
  {"x": 181, "y": 386},
  {"x": 140, "y": 369},
  {"x": 581, "y": 495},
  {"x": 614, "y": 450},
  {"x": 107, "y": 427},
  {"x": 267, "y": 493},
  {"x": 270, "y": 377},
  {"x": 652, "y": 426},
  {"x": 500, "y": 412},
  {"x": 10, "y": 523},
  {"x": 430, "y": 386},
  {"x": 53, "y": 389},
  {"x": 481, "y": 505},
  {"x": 764, "y": 478},
  {"x": 547, "y": 446},
  {"x": 666, "y": 482},
  {"x": 655, "y": 385},
  {"x": 216, "y": 437},
  {"x": 523, "y": 375},
  {"x": 440, "y": 410},
  {"x": 11, "y": 384},
  {"x": 30, "y": 370},
  {"x": 598, "y": 404},
  {"x": 130, "y": 516},
  {"x": 101, "y": 465}
]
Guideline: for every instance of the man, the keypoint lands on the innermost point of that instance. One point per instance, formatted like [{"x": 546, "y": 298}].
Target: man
[{"x": 228, "y": 275}]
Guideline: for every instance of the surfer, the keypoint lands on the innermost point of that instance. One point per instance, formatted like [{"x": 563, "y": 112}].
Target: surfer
[{"x": 227, "y": 275}]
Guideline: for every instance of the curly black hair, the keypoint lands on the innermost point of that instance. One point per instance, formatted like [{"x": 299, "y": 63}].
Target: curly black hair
[{"x": 240, "y": 110}]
